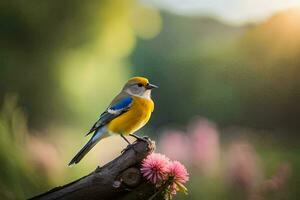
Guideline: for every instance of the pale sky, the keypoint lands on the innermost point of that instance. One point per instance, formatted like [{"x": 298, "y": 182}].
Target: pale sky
[{"x": 234, "y": 11}]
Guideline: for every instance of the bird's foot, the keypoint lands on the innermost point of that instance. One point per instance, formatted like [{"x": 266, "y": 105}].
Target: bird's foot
[
  {"x": 151, "y": 144},
  {"x": 145, "y": 138}
]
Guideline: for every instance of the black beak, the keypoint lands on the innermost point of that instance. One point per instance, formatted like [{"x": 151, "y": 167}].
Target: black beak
[{"x": 150, "y": 86}]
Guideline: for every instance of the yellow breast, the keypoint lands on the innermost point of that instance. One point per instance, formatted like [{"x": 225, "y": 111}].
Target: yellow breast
[{"x": 134, "y": 119}]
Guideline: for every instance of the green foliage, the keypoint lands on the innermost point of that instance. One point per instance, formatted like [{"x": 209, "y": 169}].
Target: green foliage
[
  {"x": 227, "y": 73},
  {"x": 18, "y": 178}
]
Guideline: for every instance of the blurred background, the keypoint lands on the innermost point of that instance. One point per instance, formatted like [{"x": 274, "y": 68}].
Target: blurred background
[{"x": 229, "y": 90}]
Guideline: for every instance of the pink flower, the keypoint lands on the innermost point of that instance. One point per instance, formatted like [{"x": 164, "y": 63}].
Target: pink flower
[
  {"x": 244, "y": 170},
  {"x": 178, "y": 172},
  {"x": 155, "y": 168},
  {"x": 179, "y": 176},
  {"x": 205, "y": 144},
  {"x": 170, "y": 142}
]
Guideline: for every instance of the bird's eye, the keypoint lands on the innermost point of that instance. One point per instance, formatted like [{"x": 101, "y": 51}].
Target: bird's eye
[{"x": 140, "y": 85}]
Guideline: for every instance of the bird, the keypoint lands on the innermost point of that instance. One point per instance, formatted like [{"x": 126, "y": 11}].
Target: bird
[{"x": 129, "y": 111}]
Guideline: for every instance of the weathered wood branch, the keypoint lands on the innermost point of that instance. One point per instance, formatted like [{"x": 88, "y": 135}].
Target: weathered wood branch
[{"x": 119, "y": 179}]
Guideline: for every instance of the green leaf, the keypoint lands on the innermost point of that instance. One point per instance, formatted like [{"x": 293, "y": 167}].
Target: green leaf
[{"x": 181, "y": 187}]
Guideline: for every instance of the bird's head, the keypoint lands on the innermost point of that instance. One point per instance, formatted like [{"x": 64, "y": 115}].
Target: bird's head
[{"x": 139, "y": 86}]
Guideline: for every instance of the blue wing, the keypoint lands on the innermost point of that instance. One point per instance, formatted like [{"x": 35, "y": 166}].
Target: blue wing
[
  {"x": 118, "y": 108},
  {"x": 122, "y": 104}
]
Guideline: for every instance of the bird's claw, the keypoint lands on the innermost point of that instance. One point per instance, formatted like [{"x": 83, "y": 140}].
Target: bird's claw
[{"x": 145, "y": 138}]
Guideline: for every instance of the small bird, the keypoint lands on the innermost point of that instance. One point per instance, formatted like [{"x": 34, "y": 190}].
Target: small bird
[{"x": 129, "y": 111}]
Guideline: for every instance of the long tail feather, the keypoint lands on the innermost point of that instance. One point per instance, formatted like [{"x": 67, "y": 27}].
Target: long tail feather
[{"x": 98, "y": 135}]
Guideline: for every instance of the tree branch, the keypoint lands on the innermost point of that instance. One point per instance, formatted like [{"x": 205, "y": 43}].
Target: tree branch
[{"x": 119, "y": 179}]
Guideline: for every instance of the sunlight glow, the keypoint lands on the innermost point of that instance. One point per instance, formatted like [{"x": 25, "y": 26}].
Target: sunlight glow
[{"x": 234, "y": 11}]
